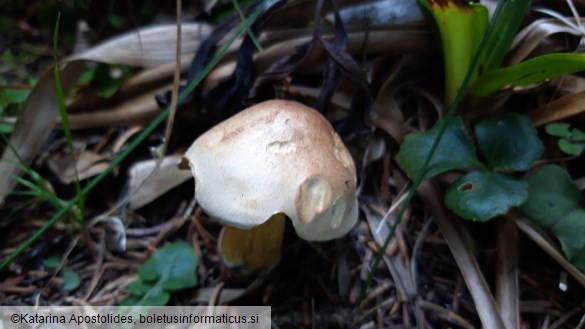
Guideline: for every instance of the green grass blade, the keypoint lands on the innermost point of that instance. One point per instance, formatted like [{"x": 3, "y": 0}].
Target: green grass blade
[
  {"x": 504, "y": 32},
  {"x": 139, "y": 139},
  {"x": 249, "y": 30},
  {"x": 64, "y": 116},
  {"x": 528, "y": 72}
]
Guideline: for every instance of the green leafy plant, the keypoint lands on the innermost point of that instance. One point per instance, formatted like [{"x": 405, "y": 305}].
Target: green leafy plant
[
  {"x": 554, "y": 202},
  {"x": 171, "y": 268},
  {"x": 71, "y": 279},
  {"x": 36, "y": 187},
  {"x": 508, "y": 143},
  {"x": 478, "y": 54},
  {"x": 460, "y": 28},
  {"x": 485, "y": 193},
  {"x": 571, "y": 140},
  {"x": 460, "y": 25}
]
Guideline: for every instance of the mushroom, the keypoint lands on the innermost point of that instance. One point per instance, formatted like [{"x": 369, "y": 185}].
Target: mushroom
[{"x": 276, "y": 157}]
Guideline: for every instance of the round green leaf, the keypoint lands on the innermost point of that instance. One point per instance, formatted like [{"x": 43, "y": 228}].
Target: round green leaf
[
  {"x": 577, "y": 135},
  {"x": 52, "y": 261},
  {"x": 71, "y": 280},
  {"x": 482, "y": 195},
  {"x": 509, "y": 142},
  {"x": 170, "y": 268},
  {"x": 139, "y": 287},
  {"x": 570, "y": 231},
  {"x": 554, "y": 203},
  {"x": 552, "y": 195},
  {"x": 173, "y": 266},
  {"x": 455, "y": 150},
  {"x": 6, "y": 128},
  {"x": 558, "y": 129},
  {"x": 570, "y": 148}
]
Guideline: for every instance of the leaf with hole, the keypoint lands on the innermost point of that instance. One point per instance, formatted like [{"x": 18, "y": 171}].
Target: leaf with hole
[
  {"x": 171, "y": 268},
  {"x": 454, "y": 151},
  {"x": 482, "y": 195},
  {"x": 509, "y": 142},
  {"x": 554, "y": 202}
]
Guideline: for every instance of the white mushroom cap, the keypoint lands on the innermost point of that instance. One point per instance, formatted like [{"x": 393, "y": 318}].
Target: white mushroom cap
[{"x": 276, "y": 157}]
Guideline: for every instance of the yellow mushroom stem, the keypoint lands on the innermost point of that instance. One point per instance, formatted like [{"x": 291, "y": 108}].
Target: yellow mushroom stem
[{"x": 253, "y": 251}]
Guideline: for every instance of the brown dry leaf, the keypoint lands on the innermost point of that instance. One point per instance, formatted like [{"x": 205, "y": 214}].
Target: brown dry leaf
[
  {"x": 88, "y": 165},
  {"x": 507, "y": 285},
  {"x": 386, "y": 114},
  {"x": 37, "y": 118},
  {"x": 279, "y": 44},
  {"x": 136, "y": 110},
  {"x": 161, "y": 181},
  {"x": 559, "y": 109},
  {"x": 124, "y": 137},
  {"x": 379, "y": 226},
  {"x": 153, "y": 76},
  {"x": 374, "y": 151},
  {"x": 145, "y": 47},
  {"x": 529, "y": 38},
  {"x": 568, "y": 84},
  {"x": 543, "y": 240}
]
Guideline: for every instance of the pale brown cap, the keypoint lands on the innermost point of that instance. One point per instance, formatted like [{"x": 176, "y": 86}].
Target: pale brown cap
[{"x": 276, "y": 157}]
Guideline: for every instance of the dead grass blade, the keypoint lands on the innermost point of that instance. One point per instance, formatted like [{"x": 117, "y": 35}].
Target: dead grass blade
[
  {"x": 507, "y": 288},
  {"x": 462, "y": 250},
  {"x": 147, "y": 47},
  {"x": 530, "y": 37},
  {"x": 85, "y": 165},
  {"x": 559, "y": 109},
  {"x": 137, "y": 110},
  {"x": 538, "y": 236}
]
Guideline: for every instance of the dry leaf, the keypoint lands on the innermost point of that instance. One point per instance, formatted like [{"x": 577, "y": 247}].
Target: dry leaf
[
  {"x": 530, "y": 37},
  {"x": 88, "y": 164},
  {"x": 164, "y": 179},
  {"x": 148, "y": 46}
]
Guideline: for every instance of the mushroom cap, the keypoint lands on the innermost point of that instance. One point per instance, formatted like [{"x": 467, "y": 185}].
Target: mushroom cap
[{"x": 276, "y": 157}]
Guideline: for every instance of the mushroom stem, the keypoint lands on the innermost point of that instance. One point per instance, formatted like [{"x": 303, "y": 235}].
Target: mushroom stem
[{"x": 255, "y": 250}]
